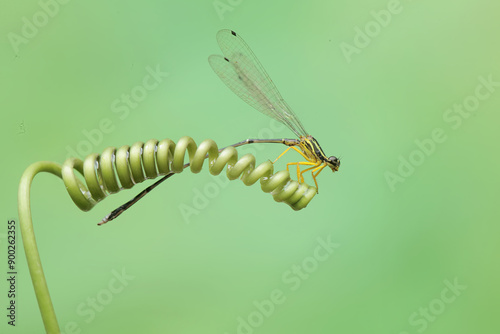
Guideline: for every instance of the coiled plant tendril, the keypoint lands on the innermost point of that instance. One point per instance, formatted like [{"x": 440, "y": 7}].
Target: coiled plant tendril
[{"x": 117, "y": 169}]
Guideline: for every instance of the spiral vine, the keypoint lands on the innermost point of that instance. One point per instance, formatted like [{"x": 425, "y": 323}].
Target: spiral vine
[{"x": 117, "y": 169}]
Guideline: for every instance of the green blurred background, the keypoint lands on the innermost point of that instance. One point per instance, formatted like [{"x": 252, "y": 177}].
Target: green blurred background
[{"x": 397, "y": 247}]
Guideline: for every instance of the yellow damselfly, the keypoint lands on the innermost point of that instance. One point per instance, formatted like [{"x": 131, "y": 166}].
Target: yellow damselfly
[{"x": 242, "y": 72}]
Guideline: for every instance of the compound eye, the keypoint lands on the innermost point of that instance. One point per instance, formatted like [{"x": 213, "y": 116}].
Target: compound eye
[{"x": 334, "y": 161}]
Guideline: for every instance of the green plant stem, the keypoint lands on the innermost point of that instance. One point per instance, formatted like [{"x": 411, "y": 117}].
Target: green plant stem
[
  {"x": 29, "y": 241},
  {"x": 133, "y": 165}
]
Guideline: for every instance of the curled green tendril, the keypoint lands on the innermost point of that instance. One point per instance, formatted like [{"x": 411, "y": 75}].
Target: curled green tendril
[{"x": 117, "y": 169}]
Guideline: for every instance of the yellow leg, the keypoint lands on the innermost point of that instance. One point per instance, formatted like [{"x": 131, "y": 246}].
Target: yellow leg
[
  {"x": 300, "y": 178},
  {"x": 318, "y": 169},
  {"x": 282, "y": 155},
  {"x": 314, "y": 167},
  {"x": 291, "y": 147},
  {"x": 298, "y": 168},
  {"x": 300, "y": 152}
]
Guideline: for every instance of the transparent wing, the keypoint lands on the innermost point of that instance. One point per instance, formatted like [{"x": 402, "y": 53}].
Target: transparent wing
[{"x": 242, "y": 72}]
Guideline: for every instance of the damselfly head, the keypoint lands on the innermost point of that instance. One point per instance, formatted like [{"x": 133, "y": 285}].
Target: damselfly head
[{"x": 333, "y": 163}]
